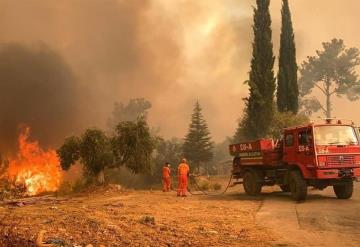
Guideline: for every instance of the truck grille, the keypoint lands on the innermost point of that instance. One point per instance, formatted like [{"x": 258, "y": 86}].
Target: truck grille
[{"x": 340, "y": 160}]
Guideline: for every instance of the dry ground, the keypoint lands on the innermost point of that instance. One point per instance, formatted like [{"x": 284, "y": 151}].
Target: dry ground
[
  {"x": 320, "y": 221},
  {"x": 124, "y": 218}
]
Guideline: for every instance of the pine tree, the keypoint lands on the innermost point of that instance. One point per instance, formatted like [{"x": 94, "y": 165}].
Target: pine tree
[
  {"x": 198, "y": 147},
  {"x": 287, "y": 91},
  {"x": 260, "y": 103}
]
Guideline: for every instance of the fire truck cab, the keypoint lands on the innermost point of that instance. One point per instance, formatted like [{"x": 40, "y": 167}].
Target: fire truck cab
[{"x": 317, "y": 155}]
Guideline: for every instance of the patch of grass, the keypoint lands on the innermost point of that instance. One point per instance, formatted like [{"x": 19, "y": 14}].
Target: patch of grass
[{"x": 147, "y": 220}]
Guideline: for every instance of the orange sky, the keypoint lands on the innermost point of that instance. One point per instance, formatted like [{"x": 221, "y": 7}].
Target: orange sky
[{"x": 170, "y": 52}]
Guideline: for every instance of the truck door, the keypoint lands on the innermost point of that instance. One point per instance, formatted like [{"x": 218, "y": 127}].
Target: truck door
[
  {"x": 289, "y": 148},
  {"x": 306, "y": 151}
]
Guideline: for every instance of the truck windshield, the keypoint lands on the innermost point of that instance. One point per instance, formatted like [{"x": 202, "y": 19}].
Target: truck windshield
[{"x": 335, "y": 135}]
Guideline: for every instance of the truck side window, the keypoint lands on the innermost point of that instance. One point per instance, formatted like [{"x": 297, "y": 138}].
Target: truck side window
[
  {"x": 305, "y": 137},
  {"x": 289, "y": 140}
]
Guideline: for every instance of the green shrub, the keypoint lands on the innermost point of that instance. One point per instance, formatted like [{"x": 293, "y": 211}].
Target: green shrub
[
  {"x": 204, "y": 185},
  {"x": 216, "y": 186},
  {"x": 147, "y": 220}
]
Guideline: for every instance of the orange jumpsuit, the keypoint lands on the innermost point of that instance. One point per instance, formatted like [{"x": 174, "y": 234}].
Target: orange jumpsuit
[
  {"x": 166, "y": 177},
  {"x": 183, "y": 171}
]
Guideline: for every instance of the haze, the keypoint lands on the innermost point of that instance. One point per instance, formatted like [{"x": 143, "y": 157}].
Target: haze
[{"x": 169, "y": 52}]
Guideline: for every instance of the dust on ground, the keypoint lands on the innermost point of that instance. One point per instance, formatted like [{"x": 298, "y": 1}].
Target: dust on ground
[{"x": 139, "y": 218}]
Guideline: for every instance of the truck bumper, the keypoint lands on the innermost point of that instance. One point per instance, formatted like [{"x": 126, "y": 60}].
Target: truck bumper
[{"x": 338, "y": 173}]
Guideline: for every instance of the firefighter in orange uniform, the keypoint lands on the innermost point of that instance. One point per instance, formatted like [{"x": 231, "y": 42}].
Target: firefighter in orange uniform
[
  {"x": 166, "y": 177},
  {"x": 183, "y": 173}
]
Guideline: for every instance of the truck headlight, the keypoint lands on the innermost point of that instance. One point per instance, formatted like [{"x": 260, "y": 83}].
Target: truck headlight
[
  {"x": 357, "y": 160},
  {"x": 321, "y": 160}
]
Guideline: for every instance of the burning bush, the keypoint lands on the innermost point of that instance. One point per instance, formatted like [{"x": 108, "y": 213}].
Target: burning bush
[{"x": 34, "y": 170}]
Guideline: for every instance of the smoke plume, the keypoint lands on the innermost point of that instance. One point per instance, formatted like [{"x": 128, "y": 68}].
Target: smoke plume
[
  {"x": 38, "y": 89},
  {"x": 172, "y": 53}
]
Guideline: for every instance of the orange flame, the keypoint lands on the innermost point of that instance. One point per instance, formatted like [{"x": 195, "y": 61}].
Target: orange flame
[{"x": 38, "y": 170}]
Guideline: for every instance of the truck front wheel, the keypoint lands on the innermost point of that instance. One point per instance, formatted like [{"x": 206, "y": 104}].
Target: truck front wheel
[
  {"x": 252, "y": 183},
  {"x": 298, "y": 186},
  {"x": 344, "y": 190}
]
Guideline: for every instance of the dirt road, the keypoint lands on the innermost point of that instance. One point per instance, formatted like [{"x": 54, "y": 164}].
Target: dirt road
[{"x": 322, "y": 220}]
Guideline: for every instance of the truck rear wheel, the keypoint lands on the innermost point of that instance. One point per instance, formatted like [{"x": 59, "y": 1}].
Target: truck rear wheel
[
  {"x": 252, "y": 183},
  {"x": 298, "y": 186},
  {"x": 344, "y": 190}
]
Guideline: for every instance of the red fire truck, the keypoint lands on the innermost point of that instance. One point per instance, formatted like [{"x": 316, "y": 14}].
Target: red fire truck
[{"x": 317, "y": 155}]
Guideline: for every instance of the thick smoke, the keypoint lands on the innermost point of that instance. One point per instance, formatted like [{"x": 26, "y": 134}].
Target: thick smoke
[
  {"x": 118, "y": 50},
  {"x": 37, "y": 88},
  {"x": 169, "y": 52}
]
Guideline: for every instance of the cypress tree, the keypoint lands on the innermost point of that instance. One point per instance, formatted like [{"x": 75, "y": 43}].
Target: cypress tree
[
  {"x": 198, "y": 146},
  {"x": 287, "y": 91},
  {"x": 260, "y": 103}
]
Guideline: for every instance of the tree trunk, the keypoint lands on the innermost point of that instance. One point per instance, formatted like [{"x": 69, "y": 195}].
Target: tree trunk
[
  {"x": 101, "y": 177},
  {"x": 328, "y": 100},
  {"x": 328, "y": 106}
]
